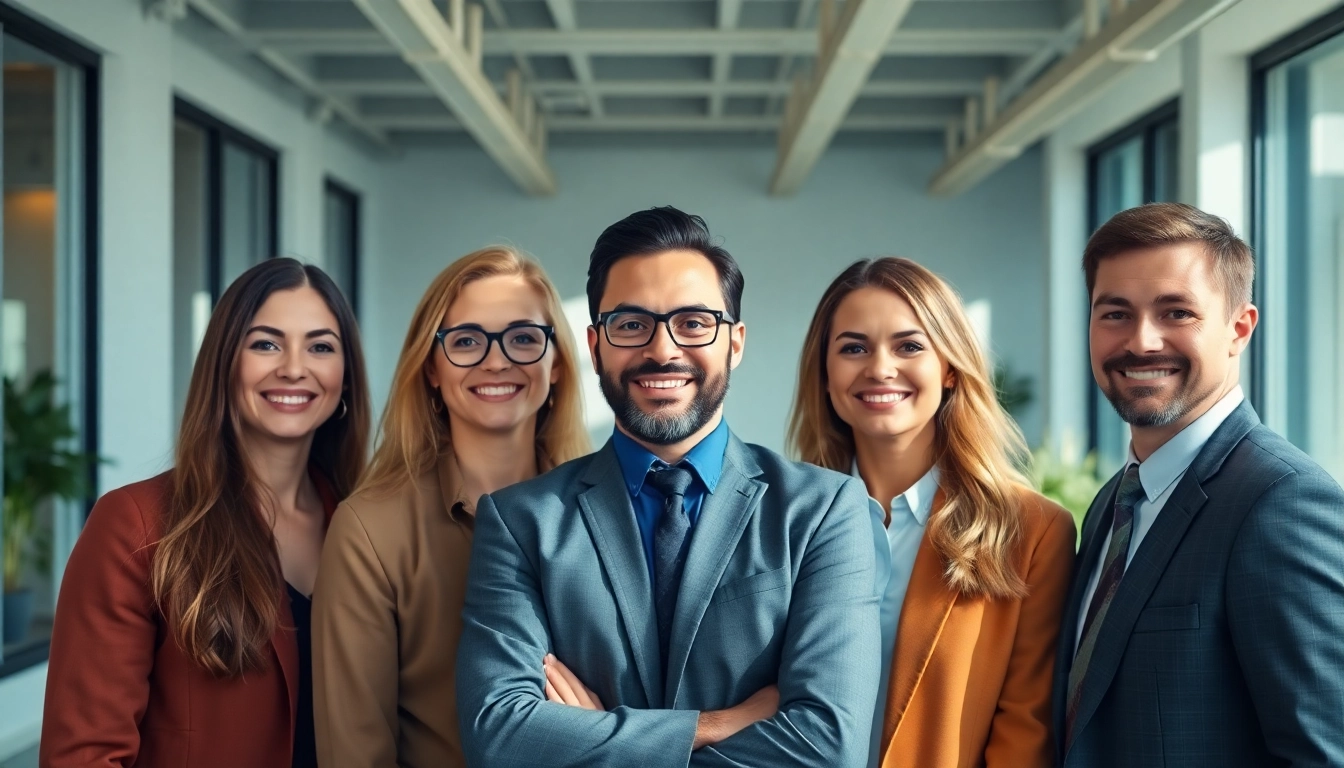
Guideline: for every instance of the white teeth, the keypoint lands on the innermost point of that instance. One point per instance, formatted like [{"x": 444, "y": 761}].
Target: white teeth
[
  {"x": 1148, "y": 375},
  {"x": 289, "y": 399},
  {"x": 887, "y": 397},
  {"x": 497, "y": 391},
  {"x": 664, "y": 384}
]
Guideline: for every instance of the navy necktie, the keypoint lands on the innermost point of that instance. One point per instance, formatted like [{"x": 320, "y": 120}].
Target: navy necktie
[{"x": 670, "y": 537}]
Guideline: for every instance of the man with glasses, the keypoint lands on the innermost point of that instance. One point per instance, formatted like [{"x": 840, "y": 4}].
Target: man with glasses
[{"x": 679, "y": 597}]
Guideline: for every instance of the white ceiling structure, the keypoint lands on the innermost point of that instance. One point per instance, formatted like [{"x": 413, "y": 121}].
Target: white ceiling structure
[{"x": 992, "y": 76}]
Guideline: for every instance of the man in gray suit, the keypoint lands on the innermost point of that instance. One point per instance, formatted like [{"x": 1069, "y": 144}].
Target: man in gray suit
[
  {"x": 679, "y": 597},
  {"x": 1205, "y": 626}
]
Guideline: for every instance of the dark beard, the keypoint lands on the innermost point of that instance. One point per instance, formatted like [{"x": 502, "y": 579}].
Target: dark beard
[
  {"x": 656, "y": 428},
  {"x": 1127, "y": 406}
]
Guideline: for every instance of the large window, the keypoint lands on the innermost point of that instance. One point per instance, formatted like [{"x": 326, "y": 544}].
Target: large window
[
  {"x": 1299, "y": 234},
  {"x": 1139, "y": 164},
  {"x": 340, "y": 213},
  {"x": 224, "y": 221},
  {"x": 47, "y": 327}
]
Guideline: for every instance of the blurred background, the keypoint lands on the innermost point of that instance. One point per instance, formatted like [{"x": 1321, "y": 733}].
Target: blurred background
[{"x": 154, "y": 149}]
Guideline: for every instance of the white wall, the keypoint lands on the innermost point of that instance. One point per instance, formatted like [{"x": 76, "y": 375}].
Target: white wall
[
  {"x": 859, "y": 202},
  {"x": 145, "y": 63}
]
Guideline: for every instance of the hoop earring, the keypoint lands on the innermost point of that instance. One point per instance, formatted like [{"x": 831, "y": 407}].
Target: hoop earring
[
  {"x": 344, "y": 409},
  {"x": 435, "y": 404}
]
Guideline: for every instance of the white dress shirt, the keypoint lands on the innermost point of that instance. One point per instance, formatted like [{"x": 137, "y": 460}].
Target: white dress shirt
[
  {"x": 897, "y": 544},
  {"x": 1159, "y": 475}
]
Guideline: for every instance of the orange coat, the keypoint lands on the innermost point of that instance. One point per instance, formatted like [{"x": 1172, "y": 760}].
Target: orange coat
[
  {"x": 120, "y": 692},
  {"x": 971, "y": 679}
]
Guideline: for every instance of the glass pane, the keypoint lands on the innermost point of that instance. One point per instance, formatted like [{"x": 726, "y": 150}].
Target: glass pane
[
  {"x": 340, "y": 212},
  {"x": 246, "y": 211},
  {"x": 191, "y": 233},
  {"x": 1303, "y": 251},
  {"x": 1167, "y": 162},
  {"x": 42, "y": 316}
]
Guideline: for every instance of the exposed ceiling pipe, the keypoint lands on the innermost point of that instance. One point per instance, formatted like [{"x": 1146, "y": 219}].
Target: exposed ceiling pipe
[{"x": 1136, "y": 32}]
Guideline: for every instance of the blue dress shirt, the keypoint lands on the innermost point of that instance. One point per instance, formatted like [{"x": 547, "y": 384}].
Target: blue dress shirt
[
  {"x": 897, "y": 544},
  {"x": 705, "y": 461}
]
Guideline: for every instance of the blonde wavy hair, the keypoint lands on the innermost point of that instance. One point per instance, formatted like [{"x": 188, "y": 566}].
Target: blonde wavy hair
[
  {"x": 414, "y": 428},
  {"x": 977, "y": 446}
]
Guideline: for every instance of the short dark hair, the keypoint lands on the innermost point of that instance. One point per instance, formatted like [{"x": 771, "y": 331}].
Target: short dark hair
[
  {"x": 656, "y": 230},
  {"x": 1158, "y": 224}
]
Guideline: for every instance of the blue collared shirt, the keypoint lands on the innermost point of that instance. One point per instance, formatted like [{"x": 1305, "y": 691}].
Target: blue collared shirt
[
  {"x": 705, "y": 461},
  {"x": 1159, "y": 475},
  {"x": 897, "y": 543}
]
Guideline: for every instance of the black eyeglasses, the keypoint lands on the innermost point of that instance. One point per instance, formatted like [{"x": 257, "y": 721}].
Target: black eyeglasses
[
  {"x": 688, "y": 327},
  {"x": 466, "y": 346}
]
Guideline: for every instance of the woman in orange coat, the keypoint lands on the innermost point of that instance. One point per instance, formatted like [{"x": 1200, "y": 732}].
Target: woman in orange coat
[
  {"x": 973, "y": 565},
  {"x": 181, "y": 629}
]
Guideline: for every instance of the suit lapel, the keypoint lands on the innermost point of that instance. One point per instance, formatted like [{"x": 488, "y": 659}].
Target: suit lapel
[
  {"x": 924, "y": 614},
  {"x": 1150, "y": 560},
  {"x": 284, "y": 641},
  {"x": 723, "y": 516},
  {"x": 607, "y": 510}
]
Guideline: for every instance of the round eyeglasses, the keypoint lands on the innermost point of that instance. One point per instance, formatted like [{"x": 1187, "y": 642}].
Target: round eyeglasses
[
  {"x": 466, "y": 346},
  {"x": 688, "y": 327}
]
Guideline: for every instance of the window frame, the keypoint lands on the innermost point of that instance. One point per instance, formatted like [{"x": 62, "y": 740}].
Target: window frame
[
  {"x": 20, "y": 25},
  {"x": 217, "y": 133},
  {"x": 331, "y": 186},
  {"x": 1316, "y": 32},
  {"x": 1145, "y": 127}
]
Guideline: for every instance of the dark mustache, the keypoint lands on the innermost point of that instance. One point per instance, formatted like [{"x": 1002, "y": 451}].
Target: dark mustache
[
  {"x": 1131, "y": 360},
  {"x": 650, "y": 368}
]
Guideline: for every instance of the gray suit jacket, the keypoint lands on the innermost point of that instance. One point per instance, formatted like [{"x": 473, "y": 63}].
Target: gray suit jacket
[
  {"x": 1224, "y": 645},
  {"x": 777, "y": 588}
]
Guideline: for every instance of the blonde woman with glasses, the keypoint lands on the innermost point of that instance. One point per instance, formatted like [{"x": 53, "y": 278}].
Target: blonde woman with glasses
[
  {"x": 972, "y": 564},
  {"x": 485, "y": 395}
]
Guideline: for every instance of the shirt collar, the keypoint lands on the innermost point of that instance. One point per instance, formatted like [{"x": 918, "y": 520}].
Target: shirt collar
[
  {"x": 917, "y": 500},
  {"x": 1175, "y": 456},
  {"x": 705, "y": 460}
]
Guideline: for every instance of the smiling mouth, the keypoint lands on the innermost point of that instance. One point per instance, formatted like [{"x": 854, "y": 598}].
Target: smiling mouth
[
  {"x": 1149, "y": 375},
  {"x": 663, "y": 384},
  {"x": 497, "y": 390},
  {"x": 290, "y": 399},
  {"x": 884, "y": 397}
]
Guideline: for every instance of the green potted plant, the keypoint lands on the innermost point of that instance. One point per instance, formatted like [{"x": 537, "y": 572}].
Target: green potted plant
[
  {"x": 39, "y": 466},
  {"x": 1069, "y": 483}
]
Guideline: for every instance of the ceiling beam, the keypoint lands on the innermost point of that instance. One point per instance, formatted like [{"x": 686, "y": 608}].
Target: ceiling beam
[
  {"x": 846, "y": 58},
  {"x": 951, "y": 88},
  {"x": 449, "y": 61},
  {"x": 652, "y": 42},
  {"x": 729, "y": 11},
  {"x": 566, "y": 20},
  {"x": 327, "y": 103},
  {"x": 642, "y": 123},
  {"x": 1137, "y": 31}
]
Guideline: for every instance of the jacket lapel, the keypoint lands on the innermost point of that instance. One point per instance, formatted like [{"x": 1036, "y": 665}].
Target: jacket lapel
[
  {"x": 610, "y": 517},
  {"x": 723, "y": 516},
  {"x": 1150, "y": 560},
  {"x": 924, "y": 614},
  {"x": 284, "y": 641}
]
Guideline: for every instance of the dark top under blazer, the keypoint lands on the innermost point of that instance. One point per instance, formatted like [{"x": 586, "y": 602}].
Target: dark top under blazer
[
  {"x": 777, "y": 588},
  {"x": 1224, "y": 644}
]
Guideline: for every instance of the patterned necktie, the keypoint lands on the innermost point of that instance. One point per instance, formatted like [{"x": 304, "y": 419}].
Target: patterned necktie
[
  {"x": 1112, "y": 569},
  {"x": 670, "y": 538}
]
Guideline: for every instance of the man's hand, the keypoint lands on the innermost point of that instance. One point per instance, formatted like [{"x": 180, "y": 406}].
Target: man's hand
[
  {"x": 564, "y": 687},
  {"x": 714, "y": 727}
]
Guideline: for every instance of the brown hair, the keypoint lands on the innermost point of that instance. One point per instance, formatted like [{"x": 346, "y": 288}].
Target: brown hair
[
  {"x": 216, "y": 572},
  {"x": 414, "y": 428},
  {"x": 977, "y": 446},
  {"x": 1158, "y": 224}
]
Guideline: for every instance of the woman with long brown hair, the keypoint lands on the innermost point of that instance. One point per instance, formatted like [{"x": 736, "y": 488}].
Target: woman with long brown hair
[
  {"x": 181, "y": 629},
  {"x": 973, "y": 565},
  {"x": 485, "y": 394}
]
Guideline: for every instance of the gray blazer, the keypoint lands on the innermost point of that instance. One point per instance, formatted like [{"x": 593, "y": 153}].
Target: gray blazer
[
  {"x": 777, "y": 588},
  {"x": 1224, "y": 645}
]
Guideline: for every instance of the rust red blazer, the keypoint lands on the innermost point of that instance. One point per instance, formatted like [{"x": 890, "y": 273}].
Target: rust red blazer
[{"x": 119, "y": 690}]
